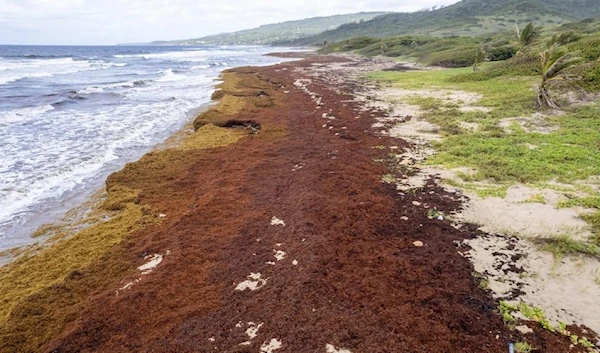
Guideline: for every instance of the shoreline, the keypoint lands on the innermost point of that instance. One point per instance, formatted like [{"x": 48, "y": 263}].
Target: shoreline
[
  {"x": 301, "y": 204},
  {"x": 56, "y": 212},
  {"x": 39, "y": 209}
]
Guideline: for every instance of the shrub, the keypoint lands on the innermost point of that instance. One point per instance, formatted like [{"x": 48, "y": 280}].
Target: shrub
[
  {"x": 524, "y": 64},
  {"x": 501, "y": 53},
  {"x": 588, "y": 48},
  {"x": 588, "y": 76},
  {"x": 460, "y": 57}
]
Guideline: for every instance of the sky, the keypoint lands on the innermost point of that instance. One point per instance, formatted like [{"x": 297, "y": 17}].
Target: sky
[{"x": 106, "y": 22}]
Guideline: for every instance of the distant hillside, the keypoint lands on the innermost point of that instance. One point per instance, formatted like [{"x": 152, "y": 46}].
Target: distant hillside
[
  {"x": 465, "y": 18},
  {"x": 285, "y": 31}
]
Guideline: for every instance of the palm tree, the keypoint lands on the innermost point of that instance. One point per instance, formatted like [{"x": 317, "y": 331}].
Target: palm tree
[
  {"x": 554, "y": 62},
  {"x": 526, "y": 36},
  {"x": 480, "y": 56},
  {"x": 562, "y": 38}
]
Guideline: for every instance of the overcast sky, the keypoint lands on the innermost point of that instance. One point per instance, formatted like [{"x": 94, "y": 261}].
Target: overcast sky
[{"x": 124, "y": 21}]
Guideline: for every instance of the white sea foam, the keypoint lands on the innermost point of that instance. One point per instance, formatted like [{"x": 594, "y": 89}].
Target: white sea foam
[
  {"x": 23, "y": 114},
  {"x": 198, "y": 55},
  {"x": 90, "y": 90},
  {"x": 169, "y": 76},
  {"x": 15, "y": 70},
  {"x": 200, "y": 67}
]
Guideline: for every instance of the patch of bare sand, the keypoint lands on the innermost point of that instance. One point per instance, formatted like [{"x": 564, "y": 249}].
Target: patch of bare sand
[
  {"x": 537, "y": 122},
  {"x": 516, "y": 214},
  {"x": 463, "y": 100},
  {"x": 567, "y": 291}
]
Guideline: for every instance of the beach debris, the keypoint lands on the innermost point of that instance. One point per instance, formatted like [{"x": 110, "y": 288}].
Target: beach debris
[
  {"x": 273, "y": 345},
  {"x": 162, "y": 215},
  {"x": 149, "y": 266},
  {"x": 331, "y": 349},
  {"x": 416, "y": 203},
  {"x": 418, "y": 244},
  {"x": 254, "y": 282},
  {"x": 295, "y": 262},
  {"x": 211, "y": 339},
  {"x": 404, "y": 218},
  {"x": 277, "y": 222}
]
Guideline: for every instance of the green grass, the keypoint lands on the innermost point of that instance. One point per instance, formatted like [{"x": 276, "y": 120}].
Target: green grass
[
  {"x": 529, "y": 312},
  {"x": 507, "y": 97},
  {"x": 536, "y": 314},
  {"x": 537, "y": 198},
  {"x": 568, "y": 154},
  {"x": 523, "y": 347},
  {"x": 500, "y": 156},
  {"x": 565, "y": 245},
  {"x": 587, "y": 202},
  {"x": 482, "y": 190}
]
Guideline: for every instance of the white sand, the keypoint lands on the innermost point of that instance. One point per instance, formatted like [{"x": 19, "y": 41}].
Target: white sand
[
  {"x": 251, "y": 332},
  {"x": 271, "y": 346},
  {"x": 279, "y": 254},
  {"x": 149, "y": 266},
  {"x": 331, "y": 349},
  {"x": 277, "y": 222},
  {"x": 254, "y": 282},
  {"x": 566, "y": 291}
]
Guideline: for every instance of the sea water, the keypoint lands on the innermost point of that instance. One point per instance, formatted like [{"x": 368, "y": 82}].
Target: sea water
[{"x": 70, "y": 116}]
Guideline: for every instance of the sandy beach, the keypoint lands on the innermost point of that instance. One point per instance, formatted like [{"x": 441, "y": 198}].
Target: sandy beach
[{"x": 267, "y": 225}]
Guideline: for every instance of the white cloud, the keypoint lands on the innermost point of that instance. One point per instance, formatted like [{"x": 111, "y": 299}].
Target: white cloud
[{"x": 120, "y": 21}]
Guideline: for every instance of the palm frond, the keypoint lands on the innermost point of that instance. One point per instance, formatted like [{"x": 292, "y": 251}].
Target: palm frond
[
  {"x": 555, "y": 60},
  {"x": 560, "y": 66},
  {"x": 528, "y": 34},
  {"x": 562, "y": 39}
]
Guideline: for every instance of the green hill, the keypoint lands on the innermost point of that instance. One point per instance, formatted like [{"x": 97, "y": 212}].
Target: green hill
[
  {"x": 285, "y": 31},
  {"x": 465, "y": 18}
]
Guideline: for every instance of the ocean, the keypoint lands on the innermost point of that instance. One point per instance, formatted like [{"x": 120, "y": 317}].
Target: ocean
[{"x": 70, "y": 116}]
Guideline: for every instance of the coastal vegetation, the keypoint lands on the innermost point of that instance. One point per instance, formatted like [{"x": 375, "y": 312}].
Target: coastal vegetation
[
  {"x": 470, "y": 18},
  {"x": 536, "y": 120}
]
